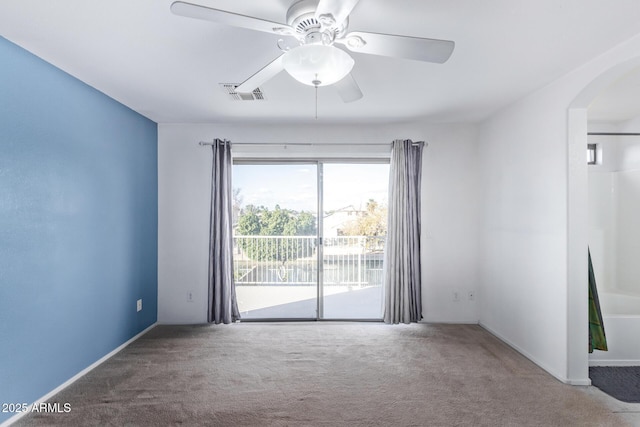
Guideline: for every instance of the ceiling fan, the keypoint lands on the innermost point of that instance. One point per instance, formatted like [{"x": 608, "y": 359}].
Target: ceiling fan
[{"x": 313, "y": 29}]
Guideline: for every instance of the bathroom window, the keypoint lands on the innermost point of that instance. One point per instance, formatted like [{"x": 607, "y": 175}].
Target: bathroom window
[{"x": 592, "y": 154}]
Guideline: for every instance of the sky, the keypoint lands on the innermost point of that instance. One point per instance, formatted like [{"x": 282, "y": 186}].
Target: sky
[{"x": 293, "y": 186}]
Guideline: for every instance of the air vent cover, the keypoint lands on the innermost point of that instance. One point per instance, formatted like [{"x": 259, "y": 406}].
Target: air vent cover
[{"x": 230, "y": 89}]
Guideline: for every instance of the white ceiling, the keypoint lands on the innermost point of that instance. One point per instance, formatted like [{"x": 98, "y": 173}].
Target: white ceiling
[{"x": 168, "y": 67}]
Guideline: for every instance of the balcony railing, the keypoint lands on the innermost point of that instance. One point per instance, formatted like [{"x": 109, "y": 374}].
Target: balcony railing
[{"x": 353, "y": 261}]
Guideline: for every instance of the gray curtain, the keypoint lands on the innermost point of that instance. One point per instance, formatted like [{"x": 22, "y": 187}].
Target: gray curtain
[
  {"x": 223, "y": 307},
  {"x": 403, "y": 301}
]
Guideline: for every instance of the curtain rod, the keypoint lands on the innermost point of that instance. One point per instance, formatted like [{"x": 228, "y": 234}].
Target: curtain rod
[
  {"x": 613, "y": 134},
  {"x": 309, "y": 143}
]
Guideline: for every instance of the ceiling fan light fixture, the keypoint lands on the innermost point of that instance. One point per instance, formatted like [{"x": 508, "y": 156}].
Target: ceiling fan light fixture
[{"x": 317, "y": 64}]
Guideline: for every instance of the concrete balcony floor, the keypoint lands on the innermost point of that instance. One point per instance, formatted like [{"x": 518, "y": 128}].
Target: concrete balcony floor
[{"x": 300, "y": 302}]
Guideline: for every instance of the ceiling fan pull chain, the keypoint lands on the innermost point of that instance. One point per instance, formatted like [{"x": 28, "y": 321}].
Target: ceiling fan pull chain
[{"x": 316, "y": 83}]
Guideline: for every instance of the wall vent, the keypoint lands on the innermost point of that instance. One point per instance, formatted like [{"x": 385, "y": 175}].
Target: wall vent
[{"x": 230, "y": 89}]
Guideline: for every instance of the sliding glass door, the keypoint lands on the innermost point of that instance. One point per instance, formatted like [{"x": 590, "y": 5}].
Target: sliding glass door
[
  {"x": 354, "y": 228},
  {"x": 290, "y": 262},
  {"x": 275, "y": 240}
]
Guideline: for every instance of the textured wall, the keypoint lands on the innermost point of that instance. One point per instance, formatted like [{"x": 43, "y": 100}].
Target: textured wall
[{"x": 78, "y": 225}]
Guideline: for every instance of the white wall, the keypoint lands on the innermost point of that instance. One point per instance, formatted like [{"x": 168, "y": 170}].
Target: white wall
[
  {"x": 533, "y": 234},
  {"x": 602, "y": 229},
  {"x": 523, "y": 236},
  {"x": 614, "y": 209},
  {"x": 602, "y": 206},
  {"x": 450, "y": 200},
  {"x": 627, "y": 185},
  {"x": 450, "y": 225}
]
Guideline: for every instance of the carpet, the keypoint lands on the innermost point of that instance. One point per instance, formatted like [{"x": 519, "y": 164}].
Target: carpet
[
  {"x": 322, "y": 374},
  {"x": 621, "y": 382}
]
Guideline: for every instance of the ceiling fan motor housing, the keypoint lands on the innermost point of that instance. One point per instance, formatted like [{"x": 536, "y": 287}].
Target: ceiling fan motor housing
[{"x": 301, "y": 16}]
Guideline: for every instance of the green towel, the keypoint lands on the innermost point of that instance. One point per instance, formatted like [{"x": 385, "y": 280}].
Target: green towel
[{"x": 597, "y": 338}]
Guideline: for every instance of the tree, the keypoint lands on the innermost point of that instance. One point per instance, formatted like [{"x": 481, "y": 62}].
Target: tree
[
  {"x": 373, "y": 225},
  {"x": 306, "y": 224},
  {"x": 260, "y": 221},
  {"x": 249, "y": 222}
]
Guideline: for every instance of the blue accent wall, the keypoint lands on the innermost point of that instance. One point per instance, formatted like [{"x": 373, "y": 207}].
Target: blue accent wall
[{"x": 78, "y": 225}]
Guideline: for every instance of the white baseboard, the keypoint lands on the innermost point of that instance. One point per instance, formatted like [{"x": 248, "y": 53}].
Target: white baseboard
[
  {"x": 449, "y": 322},
  {"x": 614, "y": 362},
  {"x": 76, "y": 377},
  {"x": 585, "y": 382},
  {"x": 561, "y": 378}
]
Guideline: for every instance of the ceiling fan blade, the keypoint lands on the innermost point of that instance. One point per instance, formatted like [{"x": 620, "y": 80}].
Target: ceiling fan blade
[
  {"x": 348, "y": 89},
  {"x": 266, "y": 73},
  {"x": 420, "y": 49},
  {"x": 190, "y": 10},
  {"x": 334, "y": 10}
]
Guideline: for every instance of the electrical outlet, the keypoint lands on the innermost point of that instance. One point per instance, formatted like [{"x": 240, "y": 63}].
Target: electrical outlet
[
  {"x": 139, "y": 305},
  {"x": 456, "y": 296},
  {"x": 190, "y": 296},
  {"x": 472, "y": 295}
]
